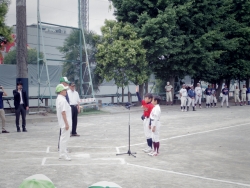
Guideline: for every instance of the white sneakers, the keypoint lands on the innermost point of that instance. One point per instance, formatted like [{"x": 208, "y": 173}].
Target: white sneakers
[
  {"x": 153, "y": 153},
  {"x": 147, "y": 150},
  {"x": 65, "y": 157}
]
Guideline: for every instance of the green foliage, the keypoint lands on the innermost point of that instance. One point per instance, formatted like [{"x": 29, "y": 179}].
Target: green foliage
[
  {"x": 121, "y": 55},
  {"x": 208, "y": 40},
  {"x": 153, "y": 21},
  {"x": 4, "y": 30},
  {"x": 71, "y": 51},
  {"x": 10, "y": 58}
]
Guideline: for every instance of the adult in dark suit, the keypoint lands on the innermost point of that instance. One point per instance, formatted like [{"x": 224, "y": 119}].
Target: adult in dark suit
[{"x": 21, "y": 105}]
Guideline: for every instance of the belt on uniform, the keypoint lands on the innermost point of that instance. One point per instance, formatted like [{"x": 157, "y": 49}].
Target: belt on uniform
[{"x": 75, "y": 105}]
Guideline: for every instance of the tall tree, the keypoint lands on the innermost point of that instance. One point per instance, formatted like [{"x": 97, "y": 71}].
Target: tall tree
[
  {"x": 21, "y": 39},
  {"x": 121, "y": 55},
  {"x": 155, "y": 22},
  {"x": 71, "y": 51},
  {"x": 237, "y": 58},
  {"x": 5, "y": 31}
]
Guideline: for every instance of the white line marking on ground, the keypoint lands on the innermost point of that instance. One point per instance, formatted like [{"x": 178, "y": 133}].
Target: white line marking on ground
[
  {"x": 71, "y": 153},
  {"x": 90, "y": 147},
  {"x": 191, "y": 134},
  {"x": 189, "y": 175},
  {"x": 43, "y": 161},
  {"x": 20, "y": 159},
  {"x": 25, "y": 151},
  {"x": 122, "y": 161},
  {"x": 117, "y": 150},
  {"x": 47, "y": 151},
  {"x": 82, "y": 155},
  {"x": 111, "y": 159},
  {"x": 78, "y": 164}
]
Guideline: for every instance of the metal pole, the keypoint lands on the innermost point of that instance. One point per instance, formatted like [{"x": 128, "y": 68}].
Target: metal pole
[
  {"x": 87, "y": 61},
  {"x": 80, "y": 46},
  {"x": 38, "y": 52},
  {"x": 46, "y": 66}
]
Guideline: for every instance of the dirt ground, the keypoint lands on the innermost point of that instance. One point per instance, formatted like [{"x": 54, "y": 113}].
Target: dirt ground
[{"x": 207, "y": 148}]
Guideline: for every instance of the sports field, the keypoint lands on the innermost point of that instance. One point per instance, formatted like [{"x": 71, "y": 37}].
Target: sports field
[{"x": 208, "y": 148}]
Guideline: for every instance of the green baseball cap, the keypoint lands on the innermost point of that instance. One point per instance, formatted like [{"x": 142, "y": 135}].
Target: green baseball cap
[
  {"x": 36, "y": 184},
  {"x": 37, "y": 181},
  {"x": 64, "y": 79},
  {"x": 61, "y": 87}
]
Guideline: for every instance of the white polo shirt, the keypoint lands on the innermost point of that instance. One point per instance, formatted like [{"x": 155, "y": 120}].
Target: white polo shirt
[
  {"x": 73, "y": 97},
  {"x": 63, "y": 106}
]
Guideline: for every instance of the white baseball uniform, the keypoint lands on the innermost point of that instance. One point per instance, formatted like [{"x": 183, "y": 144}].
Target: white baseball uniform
[
  {"x": 168, "y": 93},
  {"x": 236, "y": 95},
  {"x": 155, "y": 122},
  {"x": 198, "y": 92},
  {"x": 225, "y": 92},
  {"x": 183, "y": 93},
  {"x": 147, "y": 131},
  {"x": 213, "y": 96},
  {"x": 244, "y": 94}
]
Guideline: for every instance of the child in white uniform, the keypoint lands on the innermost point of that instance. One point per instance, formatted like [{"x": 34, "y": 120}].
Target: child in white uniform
[
  {"x": 155, "y": 125},
  {"x": 198, "y": 92},
  {"x": 244, "y": 94},
  {"x": 183, "y": 96}
]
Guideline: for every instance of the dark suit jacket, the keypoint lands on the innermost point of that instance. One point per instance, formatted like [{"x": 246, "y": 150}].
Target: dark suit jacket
[{"x": 17, "y": 99}]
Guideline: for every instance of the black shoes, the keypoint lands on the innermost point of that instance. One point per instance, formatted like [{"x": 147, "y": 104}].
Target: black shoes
[
  {"x": 4, "y": 131},
  {"x": 24, "y": 130}
]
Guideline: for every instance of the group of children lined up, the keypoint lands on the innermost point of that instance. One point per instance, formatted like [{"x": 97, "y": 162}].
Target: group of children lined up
[
  {"x": 189, "y": 95},
  {"x": 151, "y": 122}
]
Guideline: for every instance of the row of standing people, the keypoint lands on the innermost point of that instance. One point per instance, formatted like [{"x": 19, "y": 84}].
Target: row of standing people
[
  {"x": 244, "y": 93},
  {"x": 190, "y": 96},
  {"x": 193, "y": 96}
]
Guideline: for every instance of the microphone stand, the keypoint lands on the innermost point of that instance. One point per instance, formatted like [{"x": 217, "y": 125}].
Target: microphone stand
[{"x": 129, "y": 151}]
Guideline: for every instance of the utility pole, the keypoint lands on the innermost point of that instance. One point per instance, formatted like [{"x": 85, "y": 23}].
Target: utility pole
[{"x": 21, "y": 41}]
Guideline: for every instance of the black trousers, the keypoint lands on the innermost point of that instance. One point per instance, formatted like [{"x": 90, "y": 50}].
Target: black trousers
[
  {"x": 21, "y": 110},
  {"x": 74, "y": 111}
]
